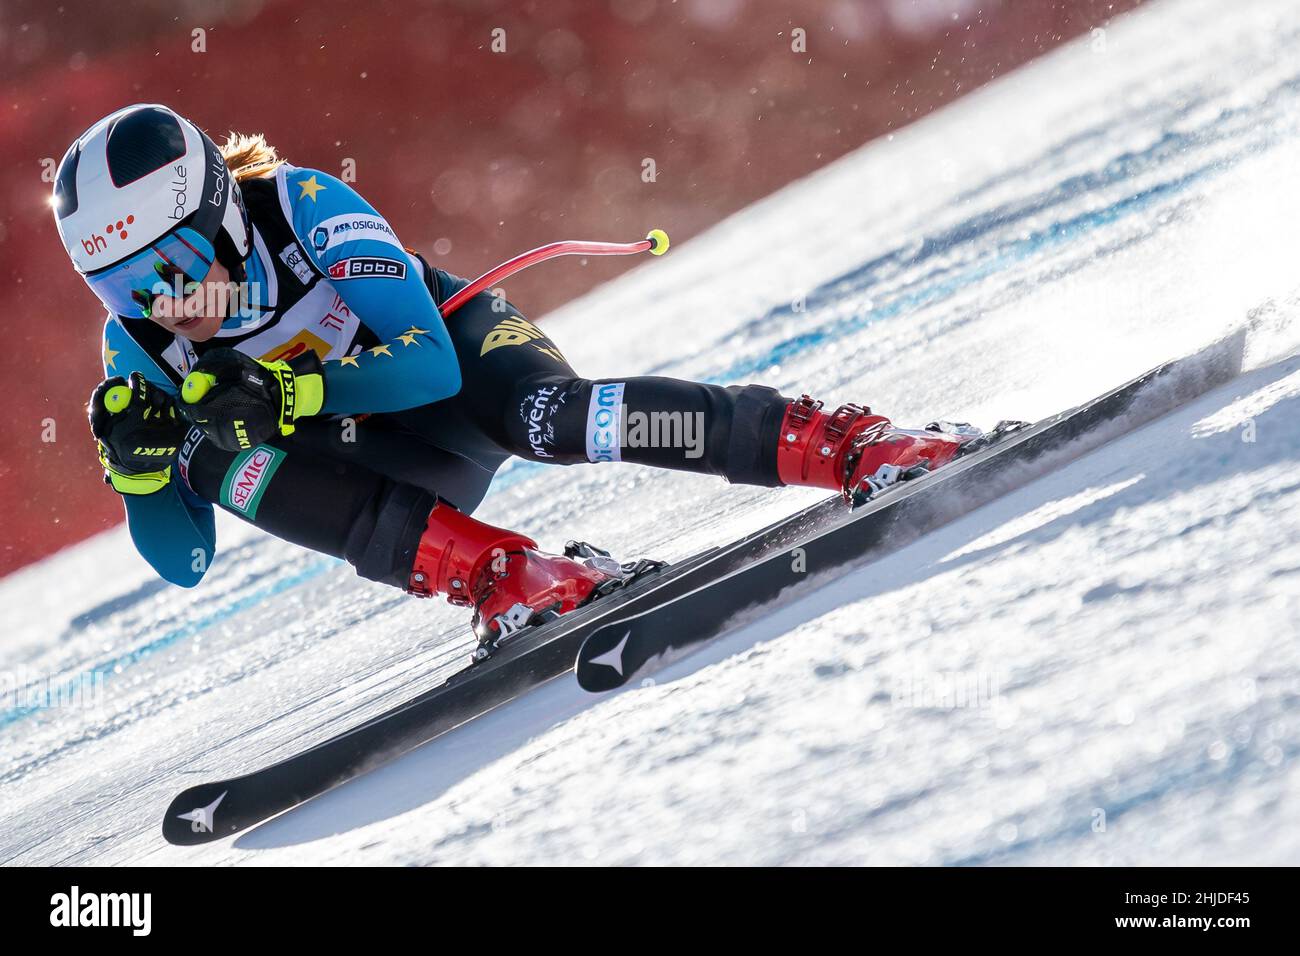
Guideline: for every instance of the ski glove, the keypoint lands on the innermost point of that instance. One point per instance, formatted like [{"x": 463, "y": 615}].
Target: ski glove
[
  {"x": 238, "y": 402},
  {"x": 138, "y": 432}
]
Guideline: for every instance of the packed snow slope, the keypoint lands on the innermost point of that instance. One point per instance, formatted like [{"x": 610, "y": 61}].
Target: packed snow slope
[{"x": 1099, "y": 668}]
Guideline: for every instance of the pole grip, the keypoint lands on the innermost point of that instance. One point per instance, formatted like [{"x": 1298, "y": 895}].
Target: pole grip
[
  {"x": 196, "y": 385},
  {"x": 656, "y": 243}
]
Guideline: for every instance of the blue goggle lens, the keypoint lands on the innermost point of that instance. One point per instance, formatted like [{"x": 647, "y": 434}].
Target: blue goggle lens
[{"x": 171, "y": 266}]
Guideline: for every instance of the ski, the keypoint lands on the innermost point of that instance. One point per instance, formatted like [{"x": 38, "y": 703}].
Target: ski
[
  {"x": 527, "y": 659},
  {"x": 689, "y": 601},
  {"x": 619, "y": 651}
]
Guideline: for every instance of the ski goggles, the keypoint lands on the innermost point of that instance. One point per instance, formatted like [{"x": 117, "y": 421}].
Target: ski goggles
[{"x": 172, "y": 266}]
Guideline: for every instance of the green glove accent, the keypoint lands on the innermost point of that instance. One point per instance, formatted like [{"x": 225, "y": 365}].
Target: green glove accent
[
  {"x": 136, "y": 433},
  {"x": 239, "y": 401},
  {"x": 133, "y": 484},
  {"x": 311, "y": 392},
  {"x": 302, "y": 388}
]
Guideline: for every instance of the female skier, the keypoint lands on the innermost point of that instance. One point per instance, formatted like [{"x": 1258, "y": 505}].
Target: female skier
[{"x": 273, "y": 349}]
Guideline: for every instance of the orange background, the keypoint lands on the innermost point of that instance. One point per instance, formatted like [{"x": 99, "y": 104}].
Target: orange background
[{"x": 472, "y": 155}]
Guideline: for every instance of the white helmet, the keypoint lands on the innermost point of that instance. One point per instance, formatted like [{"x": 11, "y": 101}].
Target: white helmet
[{"x": 142, "y": 196}]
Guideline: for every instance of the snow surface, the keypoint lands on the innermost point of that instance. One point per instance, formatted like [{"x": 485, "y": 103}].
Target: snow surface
[{"x": 1100, "y": 668}]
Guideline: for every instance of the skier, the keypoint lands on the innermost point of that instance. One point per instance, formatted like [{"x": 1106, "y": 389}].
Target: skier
[{"x": 274, "y": 350}]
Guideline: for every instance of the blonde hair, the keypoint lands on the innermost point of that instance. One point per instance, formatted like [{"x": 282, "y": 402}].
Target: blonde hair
[{"x": 249, "y": 156}]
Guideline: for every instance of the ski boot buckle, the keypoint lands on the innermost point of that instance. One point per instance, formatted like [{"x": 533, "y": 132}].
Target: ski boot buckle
[
  {"x": 593, "y": 557},
  {"x": 621, "y": 573},
  {"x": 509, "y": 622},
  {"x": 887, "y": 476}
]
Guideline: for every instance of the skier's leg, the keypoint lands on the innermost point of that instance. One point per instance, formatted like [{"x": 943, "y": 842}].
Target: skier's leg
[
  {"x": 378, "y": 444},
  {"x": 749, "y": 435},
  {"x": 521, "y": 397},
  {"x": 391, "y": 531},
  {"x": 650, "y": 420},
  {"x": 327, "y": 504}
]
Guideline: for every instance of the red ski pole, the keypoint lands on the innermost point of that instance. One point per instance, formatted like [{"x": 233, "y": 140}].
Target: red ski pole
[
  {"x": 655, "y": 243},
  {"x": 197, "y": 384}
]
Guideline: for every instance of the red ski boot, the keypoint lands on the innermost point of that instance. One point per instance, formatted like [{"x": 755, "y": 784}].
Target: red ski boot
[
  {"x": 502, "y": 575},
  {"x": 857, "y": 453}
]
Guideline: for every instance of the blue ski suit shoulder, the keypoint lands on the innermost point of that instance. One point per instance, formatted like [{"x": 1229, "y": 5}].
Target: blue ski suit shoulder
[
  {"x": 173, "y": 529},
  {"x": 349, "y": 242},
  {"x": 414, "y": 364}
]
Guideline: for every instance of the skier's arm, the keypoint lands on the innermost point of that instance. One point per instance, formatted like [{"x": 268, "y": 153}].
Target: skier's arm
[
  {"x": 175, "y": 531},
  {"x": 172, "y": 528},
  {"x": 415, "y": 363}
]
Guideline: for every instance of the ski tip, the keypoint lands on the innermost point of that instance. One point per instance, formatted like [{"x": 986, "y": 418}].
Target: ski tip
[
  {"x": 601, "y": 663},
  {"x": 658, "y": 242},
  {"x": 193, "y": 815}
]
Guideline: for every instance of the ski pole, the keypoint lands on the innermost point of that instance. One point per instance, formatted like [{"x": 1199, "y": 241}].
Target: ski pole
[
  {"x": 655, "y": 243},
  {"x": 197, "y": 384}
]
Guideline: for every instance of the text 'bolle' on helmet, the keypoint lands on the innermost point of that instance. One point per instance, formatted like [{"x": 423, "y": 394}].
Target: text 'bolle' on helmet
[{"x": 144, "y": 202}]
